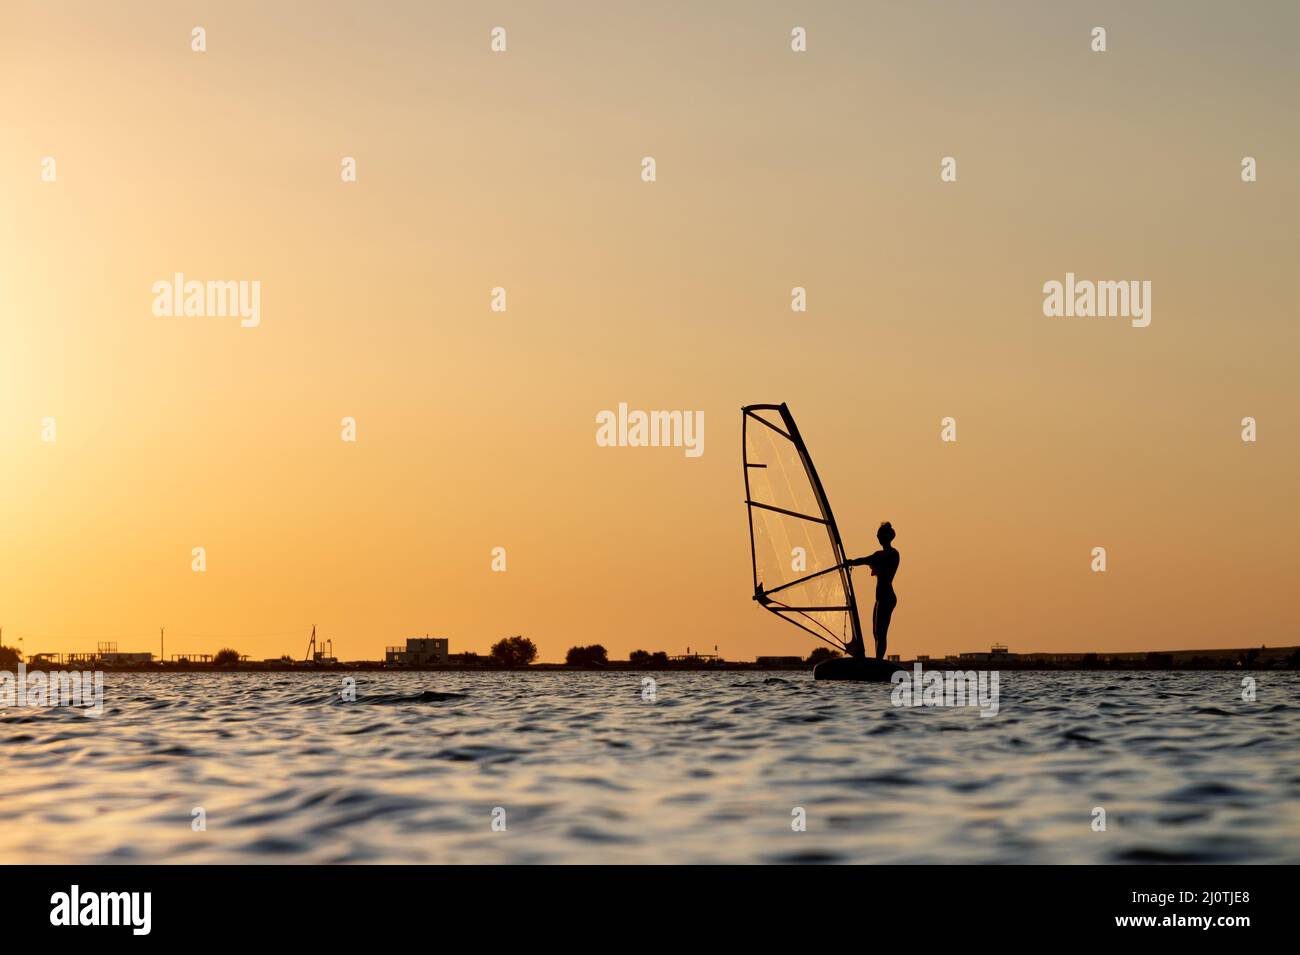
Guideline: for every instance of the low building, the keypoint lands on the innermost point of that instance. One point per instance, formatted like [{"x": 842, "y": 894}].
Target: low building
[
  {"x": 420, "y": 651},
  {"x": 114, "y": 656},
  {"x": 102, "y": 655},
  {"x": 779, "y": 661},
  {"x": 191, "y": 658},
  {"x": 997, "y": 654},
  {"x": 696, "y": 658}
]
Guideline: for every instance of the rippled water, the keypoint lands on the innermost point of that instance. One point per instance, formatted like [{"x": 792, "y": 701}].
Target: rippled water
[{"x": 586, "y": 771}]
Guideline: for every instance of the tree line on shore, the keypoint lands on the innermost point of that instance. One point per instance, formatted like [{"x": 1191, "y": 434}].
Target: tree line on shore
[
  {"x": 520, "y": 651},
  {"x": 516, "y": 651}
]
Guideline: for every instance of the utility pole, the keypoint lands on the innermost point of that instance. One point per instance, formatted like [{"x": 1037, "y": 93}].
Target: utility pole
[{"x": 162, "y": 644}]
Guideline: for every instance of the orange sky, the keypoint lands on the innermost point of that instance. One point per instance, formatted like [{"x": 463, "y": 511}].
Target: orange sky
[{"x": 476, "y": 429}]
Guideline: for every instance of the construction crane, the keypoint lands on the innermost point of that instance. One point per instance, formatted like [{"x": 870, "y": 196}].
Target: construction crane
[{"x": 324, "y": 653}]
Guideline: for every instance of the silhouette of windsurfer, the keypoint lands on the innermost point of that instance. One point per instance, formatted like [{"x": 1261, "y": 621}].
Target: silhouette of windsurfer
[{"x": 884, "y": 565}]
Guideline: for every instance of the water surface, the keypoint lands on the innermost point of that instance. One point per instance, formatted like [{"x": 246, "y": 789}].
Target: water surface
[{"x": 585, "y": 770}]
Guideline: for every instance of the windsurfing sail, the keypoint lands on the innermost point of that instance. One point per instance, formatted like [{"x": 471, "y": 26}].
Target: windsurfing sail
[{"x": 799, "y": 567}]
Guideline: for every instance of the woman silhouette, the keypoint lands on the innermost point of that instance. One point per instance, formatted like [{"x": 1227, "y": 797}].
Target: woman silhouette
[{"x": 884, "y": 565}]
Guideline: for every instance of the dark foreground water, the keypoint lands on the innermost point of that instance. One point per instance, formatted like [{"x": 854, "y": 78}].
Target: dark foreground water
[{"x": 580, "y": 768}]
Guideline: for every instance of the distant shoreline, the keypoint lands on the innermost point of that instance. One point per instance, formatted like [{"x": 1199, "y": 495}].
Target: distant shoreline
[{"x": 368, "y": 667}]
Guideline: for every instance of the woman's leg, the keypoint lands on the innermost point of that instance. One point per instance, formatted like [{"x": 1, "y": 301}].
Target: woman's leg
[{"x": 880, "y": 617}]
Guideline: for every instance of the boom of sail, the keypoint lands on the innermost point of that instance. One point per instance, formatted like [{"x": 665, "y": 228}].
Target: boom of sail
[{"x": 800, "y": 572}]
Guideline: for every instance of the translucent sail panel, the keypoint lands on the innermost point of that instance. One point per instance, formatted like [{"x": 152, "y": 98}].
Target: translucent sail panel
[{"x": 797, "y": 561}]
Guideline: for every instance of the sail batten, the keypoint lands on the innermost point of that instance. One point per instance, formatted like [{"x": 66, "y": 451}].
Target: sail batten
[
  {"x": 778, "y": 589},
  {"x": 779, "y": 510},
  {"x": 798, "y": 560}
]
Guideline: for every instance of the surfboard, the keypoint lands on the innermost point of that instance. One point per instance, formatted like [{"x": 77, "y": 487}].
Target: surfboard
[{"x": 856, "y": 668}]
